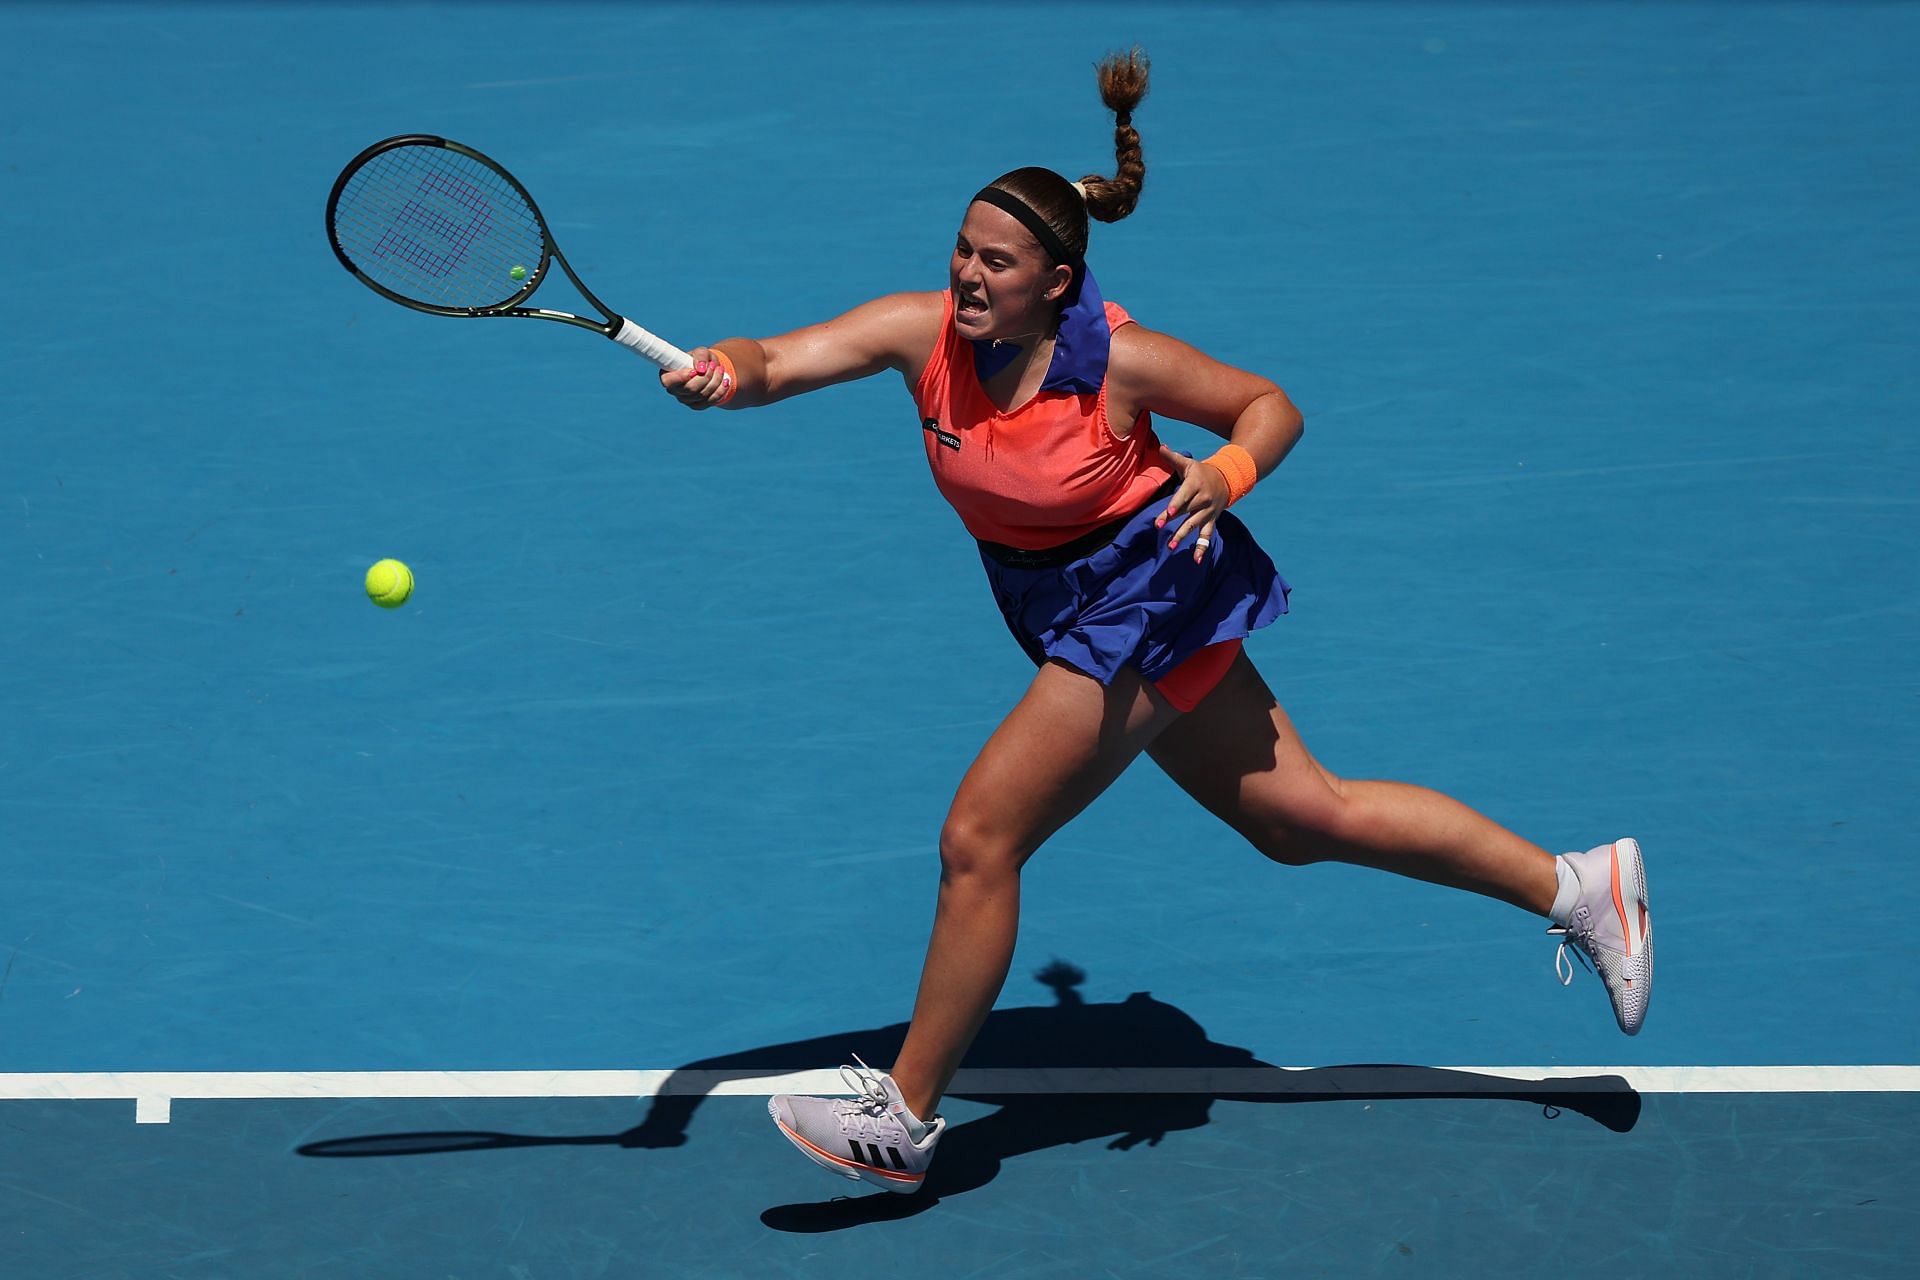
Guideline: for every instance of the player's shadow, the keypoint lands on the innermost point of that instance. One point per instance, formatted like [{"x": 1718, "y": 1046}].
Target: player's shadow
[{"x": 1143, "y": 1042}]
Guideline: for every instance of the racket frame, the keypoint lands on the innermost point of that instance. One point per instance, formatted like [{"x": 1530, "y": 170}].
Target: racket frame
[{"x": 549, "y": 248}]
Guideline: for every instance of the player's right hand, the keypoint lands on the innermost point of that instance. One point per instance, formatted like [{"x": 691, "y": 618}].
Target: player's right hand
[{"x": 702, "y": 386}]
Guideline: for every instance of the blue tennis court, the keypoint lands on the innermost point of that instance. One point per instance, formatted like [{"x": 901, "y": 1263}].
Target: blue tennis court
[{"x": 466, "y": 939}]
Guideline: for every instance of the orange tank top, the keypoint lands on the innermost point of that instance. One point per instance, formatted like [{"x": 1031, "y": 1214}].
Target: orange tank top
[{"x": 1041, "y": 474}]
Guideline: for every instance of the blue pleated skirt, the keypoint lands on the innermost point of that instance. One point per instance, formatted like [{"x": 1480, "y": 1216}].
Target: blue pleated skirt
[{"x": 1133, "y": 603}]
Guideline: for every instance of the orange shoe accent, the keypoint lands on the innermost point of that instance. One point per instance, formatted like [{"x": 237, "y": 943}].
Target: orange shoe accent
[
  {"x": 1613, "y": 870},
  {"x": 1619, "y": 902},
  {"x": 861, "y": 1165}
]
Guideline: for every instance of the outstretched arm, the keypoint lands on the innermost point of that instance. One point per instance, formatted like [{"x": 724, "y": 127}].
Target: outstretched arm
[{"x": 894, "y": 332}]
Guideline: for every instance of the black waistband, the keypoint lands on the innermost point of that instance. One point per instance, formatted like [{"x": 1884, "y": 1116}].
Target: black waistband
[{"x": 1079, "y": 549}]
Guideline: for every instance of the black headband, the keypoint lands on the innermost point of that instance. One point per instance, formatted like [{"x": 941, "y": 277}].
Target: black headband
[{"x": 1049, "y": 238}]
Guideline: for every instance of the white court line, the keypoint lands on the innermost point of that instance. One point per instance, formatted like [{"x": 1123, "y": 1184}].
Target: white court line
[{"x": 153, "y": 1092}]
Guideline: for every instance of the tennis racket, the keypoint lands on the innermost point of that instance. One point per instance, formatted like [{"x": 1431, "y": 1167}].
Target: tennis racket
[{"x": 438, "y": 227}]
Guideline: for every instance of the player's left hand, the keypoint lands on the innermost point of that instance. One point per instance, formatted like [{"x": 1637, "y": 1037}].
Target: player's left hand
[{"x": 1201, "y": 497}]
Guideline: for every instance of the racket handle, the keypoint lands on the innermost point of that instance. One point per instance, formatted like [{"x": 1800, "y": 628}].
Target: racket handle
[{"x": 651, "y": 345}]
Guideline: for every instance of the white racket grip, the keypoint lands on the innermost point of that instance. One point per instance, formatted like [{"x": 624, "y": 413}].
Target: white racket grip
[{"x": 651, "y": 345}]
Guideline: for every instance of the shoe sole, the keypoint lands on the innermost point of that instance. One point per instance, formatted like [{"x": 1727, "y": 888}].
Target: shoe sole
[
  {"x": 898, "y": 1183},
  {"x": 1629, "y": 884}
]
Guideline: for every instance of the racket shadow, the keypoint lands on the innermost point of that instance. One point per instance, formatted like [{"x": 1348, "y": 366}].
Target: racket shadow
[{"x": 1140, "y": 1031}]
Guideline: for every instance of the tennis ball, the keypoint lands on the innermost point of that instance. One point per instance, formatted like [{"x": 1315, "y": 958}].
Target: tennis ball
[
  {"x": 518, "y": 273},
  {"x": 389, "y": 583}
]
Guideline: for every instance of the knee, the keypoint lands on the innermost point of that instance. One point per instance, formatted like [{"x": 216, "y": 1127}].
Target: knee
[
  {"x": 1304, "y": 833},
  {"x": 1289, "y": 846},
  {"x": 970, "y": 849}
]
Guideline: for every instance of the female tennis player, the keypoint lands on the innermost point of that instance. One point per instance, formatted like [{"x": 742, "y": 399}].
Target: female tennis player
[{"x": 1129, "y": 583}]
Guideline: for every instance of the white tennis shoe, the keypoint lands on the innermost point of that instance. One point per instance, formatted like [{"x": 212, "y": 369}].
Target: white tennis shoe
[
  {"x": 1609, "y": 928},
  {"x": 865, "y": 1137}
]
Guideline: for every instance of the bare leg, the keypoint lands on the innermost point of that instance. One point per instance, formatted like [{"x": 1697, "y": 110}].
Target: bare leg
[
  {"x": 1064, "y": 744},
  {"x": 1238, "y": 754}
]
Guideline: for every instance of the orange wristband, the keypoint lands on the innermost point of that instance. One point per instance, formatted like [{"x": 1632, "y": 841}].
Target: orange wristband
[
  {"x": 1236, "y": 464},
  {"x": 729, "y": 380}
]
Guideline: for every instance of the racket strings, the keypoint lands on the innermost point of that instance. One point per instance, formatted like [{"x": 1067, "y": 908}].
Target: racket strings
[{"x": 438, "y": 227}]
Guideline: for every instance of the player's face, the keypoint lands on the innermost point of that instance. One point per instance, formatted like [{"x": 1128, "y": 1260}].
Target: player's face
[{"x": 1003, "y": 284}]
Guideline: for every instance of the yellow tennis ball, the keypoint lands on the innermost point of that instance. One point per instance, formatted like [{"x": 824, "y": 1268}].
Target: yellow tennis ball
[{"x": 389, "y": 583}]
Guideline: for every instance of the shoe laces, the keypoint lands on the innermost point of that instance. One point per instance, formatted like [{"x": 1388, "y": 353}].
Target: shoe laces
[
  {"x": 869, "y": 1089},
  {"x": 1576, "y": 937}
]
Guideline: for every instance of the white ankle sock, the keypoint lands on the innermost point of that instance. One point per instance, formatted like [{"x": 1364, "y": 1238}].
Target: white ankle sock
[
  {"x": 1567, "y": 896},
  {"x": 916, "y": 1129}
]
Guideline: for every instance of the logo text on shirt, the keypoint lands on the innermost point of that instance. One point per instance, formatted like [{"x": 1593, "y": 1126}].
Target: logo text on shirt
[{"x": 946, "y": 438}]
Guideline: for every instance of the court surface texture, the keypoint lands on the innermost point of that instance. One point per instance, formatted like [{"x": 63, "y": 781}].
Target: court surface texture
[{"x": 466, "y": 939}]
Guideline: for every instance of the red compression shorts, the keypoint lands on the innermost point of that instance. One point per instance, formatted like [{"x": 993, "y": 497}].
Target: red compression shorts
[{"x": 1194, "y": 679}]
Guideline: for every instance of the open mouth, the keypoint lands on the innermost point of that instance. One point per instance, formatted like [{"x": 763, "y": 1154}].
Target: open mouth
[{"x": 965, "y": 304}]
